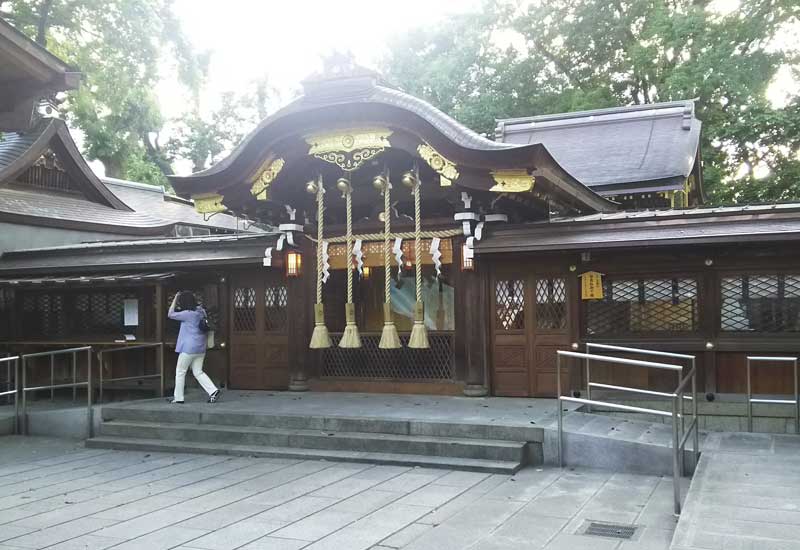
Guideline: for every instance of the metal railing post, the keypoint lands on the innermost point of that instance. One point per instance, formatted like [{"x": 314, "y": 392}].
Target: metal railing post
[
  {"x": 100, "y": 364},
  {"x": 17, "y": 386},
  {"x": 796, "y": 400},
  {"x": 89, "y": 419},
  {"x": 588, "y": 378},
  {"x": 74, "y": 375},
  {"x": 52, "y": 377},
  {"x": 676, "y": 472},
  {"x": 24, "y": 414},
  {"x": 749, "y": 400},
  {"x": 696, "y": 442},
  {"x": 560, "y": 414}
]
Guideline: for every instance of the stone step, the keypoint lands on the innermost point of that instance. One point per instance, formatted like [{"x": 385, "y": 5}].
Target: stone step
[
  {"x": 514, "y": 451},
  {"x": 157, "y": 412},
  {"x": 389, "y": 459}
]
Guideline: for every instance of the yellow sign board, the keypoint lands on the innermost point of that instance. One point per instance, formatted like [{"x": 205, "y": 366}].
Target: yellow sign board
[{"x": 591, "y": 285}]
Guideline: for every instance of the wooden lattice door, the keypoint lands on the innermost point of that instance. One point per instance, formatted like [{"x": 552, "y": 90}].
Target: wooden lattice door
[
  {"x": 530, "y": 323},
  {"x": 259, "y": 342}
]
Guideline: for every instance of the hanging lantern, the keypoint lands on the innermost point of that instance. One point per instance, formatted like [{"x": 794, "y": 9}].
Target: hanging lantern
[
  {"x": 294, "y": 264},
  {"x": 467, "y": 258},
  {"x": 366, "y": 273}
]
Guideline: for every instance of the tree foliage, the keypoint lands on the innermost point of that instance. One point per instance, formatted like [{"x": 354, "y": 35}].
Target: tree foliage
[
  {"x": 202, "y": 139},
  {"x": 118, "y": 45},
  {"x": 540, "y": 57}
]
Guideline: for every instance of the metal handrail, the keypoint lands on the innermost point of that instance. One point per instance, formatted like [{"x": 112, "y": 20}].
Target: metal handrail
[
  {"x": 21, "y": 417},
  {"x": 590, "y": 345},
  {"x": 751, "y": 399},
  {"x": 680, "y": 433},
  {"x": 15, "y": 392},
  {"x": 160, "y": 375}
]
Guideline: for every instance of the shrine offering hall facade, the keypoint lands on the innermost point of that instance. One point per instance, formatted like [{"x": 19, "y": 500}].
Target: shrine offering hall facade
[{"x": 410, "y": 254}]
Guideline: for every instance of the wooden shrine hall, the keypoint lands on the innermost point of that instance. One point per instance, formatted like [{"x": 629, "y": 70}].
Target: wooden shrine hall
[{"x": 410, "y": 254}]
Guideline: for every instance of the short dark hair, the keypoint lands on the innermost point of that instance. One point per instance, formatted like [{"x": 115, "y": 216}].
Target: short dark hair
[{"x": 186, "y": 300}]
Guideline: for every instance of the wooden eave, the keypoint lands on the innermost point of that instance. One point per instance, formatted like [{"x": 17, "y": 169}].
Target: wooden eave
[{"x": 282, "y": 133}]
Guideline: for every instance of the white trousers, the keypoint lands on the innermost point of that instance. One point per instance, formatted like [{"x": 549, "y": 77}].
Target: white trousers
[{"x": 195, "y": 360}]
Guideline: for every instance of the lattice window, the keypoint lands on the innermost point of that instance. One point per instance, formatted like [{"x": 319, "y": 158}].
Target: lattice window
[
  {"x": 635, "y": 306},
  {"x": 371, "y": 362},
  {"x": 275, "y": 302},
  {"x": 7, "y": 302},
  {"x": 551, "y": 304},
  {"x": 244, "y": 309},
  {"x": 760, "y": 303},
  {"x": 93, "y": 313},
  {"x": 509, "y": 298}
]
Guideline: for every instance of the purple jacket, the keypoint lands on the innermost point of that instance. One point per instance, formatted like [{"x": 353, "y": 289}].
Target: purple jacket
[{"x": 190, "y": 338}]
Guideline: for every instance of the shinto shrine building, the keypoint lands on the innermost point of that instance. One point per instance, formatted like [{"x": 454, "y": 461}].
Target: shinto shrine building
[{"x": 410, "y": 254}]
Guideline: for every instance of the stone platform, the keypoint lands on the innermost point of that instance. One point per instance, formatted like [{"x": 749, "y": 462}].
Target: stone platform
[
  {"x": 745, "y": 494},
  {"x": 487, "y": 435},
  {"x": 497, "y": 435}
]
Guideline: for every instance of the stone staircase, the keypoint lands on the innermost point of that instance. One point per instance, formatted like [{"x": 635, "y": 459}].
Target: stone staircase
[{"x": 493, "y": 448}]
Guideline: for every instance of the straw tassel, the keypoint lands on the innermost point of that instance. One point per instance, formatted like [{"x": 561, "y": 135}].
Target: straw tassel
[
  {"x": 351, "y": 337},
  {"x": 320, "y": 338},
  {"x": 390, "y": 339},
  {"x": 419, "y": 334}
]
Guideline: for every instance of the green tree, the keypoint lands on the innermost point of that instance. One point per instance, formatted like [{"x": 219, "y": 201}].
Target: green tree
[
  {"x": 203, "y": 139},
  {"x": 118, "y": 45},
  {"x": 580, "y": 54}
]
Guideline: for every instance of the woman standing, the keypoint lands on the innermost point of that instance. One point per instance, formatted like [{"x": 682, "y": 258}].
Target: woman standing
[{"x": 191, "y": 345}]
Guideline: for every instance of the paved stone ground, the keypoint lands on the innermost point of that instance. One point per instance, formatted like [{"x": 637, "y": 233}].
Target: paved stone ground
[
  {"x": 57, "y": 495},
  {"x": 745, "y": 495}
]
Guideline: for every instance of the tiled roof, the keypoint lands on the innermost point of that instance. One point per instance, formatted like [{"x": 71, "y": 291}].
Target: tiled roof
[
  {"x": 139, "y": 255},
  {"x": 724, "y": 225},
  {"x": 152, "y": 200},
  {"x": 73, "y": 209},
  {"x": 13, "y": 145},
  {"x": 612, "y": 147}
]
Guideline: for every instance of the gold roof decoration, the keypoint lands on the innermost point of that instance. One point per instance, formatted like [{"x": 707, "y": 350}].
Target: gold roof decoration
[
  {"x": 266, "y": 177},
  {"x": 208, "y": 203},
  {"x": 512, "y": 181},
  {"x": 447, "y": 170},
  {"x": 349, "y": 149}
]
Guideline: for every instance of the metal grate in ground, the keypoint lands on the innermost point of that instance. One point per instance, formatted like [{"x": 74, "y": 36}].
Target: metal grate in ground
[{"x": 610, "y": 530}]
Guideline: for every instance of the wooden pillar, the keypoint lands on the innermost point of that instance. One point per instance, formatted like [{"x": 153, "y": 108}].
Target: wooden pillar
[
  {"x": 299, "y": 318},
  {"x": 474, "y": 309}
]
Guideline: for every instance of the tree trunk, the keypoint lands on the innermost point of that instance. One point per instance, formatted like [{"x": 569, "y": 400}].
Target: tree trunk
[
  {"x": 155, "y": 155},
  {"x": 44, "y": 22},
  {"x": 113, "y": 167}
]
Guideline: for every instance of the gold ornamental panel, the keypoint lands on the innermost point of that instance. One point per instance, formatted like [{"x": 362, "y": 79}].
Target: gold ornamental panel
[
  {"x": 208, "y": 203},
  {"x": 446, "y": 169},
  {"x": 266, "y": 177},
  {"x": 349, "y": 149},
  {"x": 512, "y": 181}
]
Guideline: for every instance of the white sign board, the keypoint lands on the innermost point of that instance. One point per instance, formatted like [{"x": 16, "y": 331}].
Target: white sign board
[{"x": 131, "y": 312}]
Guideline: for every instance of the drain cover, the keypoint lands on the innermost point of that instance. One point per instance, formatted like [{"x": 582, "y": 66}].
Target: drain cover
[{"x": 610, "y": 530}]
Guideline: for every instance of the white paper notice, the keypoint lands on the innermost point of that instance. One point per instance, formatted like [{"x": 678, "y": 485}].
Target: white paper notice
[{"x": 131, "y": 312}]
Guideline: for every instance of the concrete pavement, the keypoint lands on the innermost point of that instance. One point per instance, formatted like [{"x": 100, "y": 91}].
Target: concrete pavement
[{"x": 97, "y": 499}]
